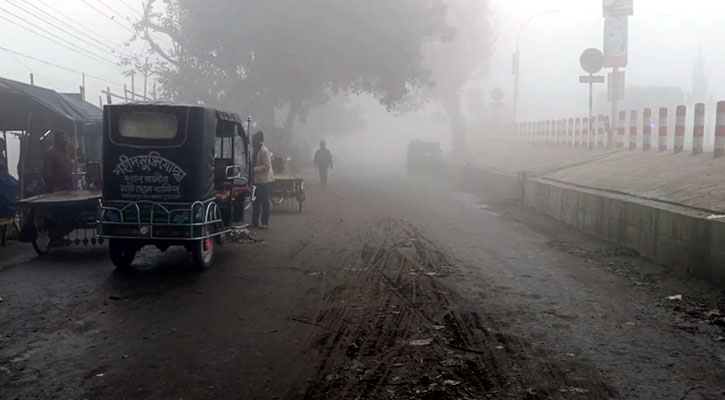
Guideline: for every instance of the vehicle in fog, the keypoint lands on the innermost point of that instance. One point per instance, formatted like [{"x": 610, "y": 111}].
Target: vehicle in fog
[
  {"x": 421, "y": 153},
  {"x": 173, "y": 176}
]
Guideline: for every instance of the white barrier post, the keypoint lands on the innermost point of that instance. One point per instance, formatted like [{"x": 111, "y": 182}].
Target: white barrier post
[
  {"x": 663, "y": 131},
  {"x": 621, "y": 129},
  {"x": 681, "y": 120},
  {"x": 698, "y": 136},
  {"x": 647, "y": 129},
  {"x": 720, "y": 130}
]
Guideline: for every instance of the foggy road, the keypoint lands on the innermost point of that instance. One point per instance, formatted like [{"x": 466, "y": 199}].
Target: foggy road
[{"x": 384, "y": 287}]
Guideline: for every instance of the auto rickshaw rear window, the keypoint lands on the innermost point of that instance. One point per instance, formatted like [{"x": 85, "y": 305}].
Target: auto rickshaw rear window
[{"x": 148, "y": 125}]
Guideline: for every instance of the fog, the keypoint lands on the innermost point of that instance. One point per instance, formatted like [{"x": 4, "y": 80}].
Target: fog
[
  {"x": 461, "y": 239},
  {"x": 665, "y": 39}
]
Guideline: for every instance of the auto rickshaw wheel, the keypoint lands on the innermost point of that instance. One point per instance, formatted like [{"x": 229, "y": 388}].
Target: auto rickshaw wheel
[
  {"x": 122, "y": 255},
  {"x": 41, "y": 243},
  {"x": 203, "y": 253}
]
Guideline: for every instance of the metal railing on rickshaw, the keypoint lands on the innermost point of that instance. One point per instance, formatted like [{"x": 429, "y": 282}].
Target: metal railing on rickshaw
[{"x": 156, "y": 221}]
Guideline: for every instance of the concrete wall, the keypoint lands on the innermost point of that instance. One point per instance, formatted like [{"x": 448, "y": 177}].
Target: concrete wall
[
  {"x": 684, "y": 240},
  {"x": 502, "y": 186},
  {"x": 680, "y": 238}
]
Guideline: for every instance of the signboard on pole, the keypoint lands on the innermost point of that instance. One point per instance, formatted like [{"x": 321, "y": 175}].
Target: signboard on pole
[
  {"x": 592, "y": 60},
  {"x": 616, "y": 47},
  {"x": 591, "y": 79},
  {"x": 616, "y": 85},
  {"x": 618, "y": 8}
]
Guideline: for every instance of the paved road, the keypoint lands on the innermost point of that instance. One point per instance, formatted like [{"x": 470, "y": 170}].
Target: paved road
[{"x": 383, "y": 288}]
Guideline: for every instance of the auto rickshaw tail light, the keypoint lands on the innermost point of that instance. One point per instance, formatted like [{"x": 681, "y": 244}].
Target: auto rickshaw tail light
[
  {"x": 169, "y": 232},
  {"x": 124, "y": 231}
]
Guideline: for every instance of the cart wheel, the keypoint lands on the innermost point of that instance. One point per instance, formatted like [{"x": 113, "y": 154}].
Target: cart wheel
[
  {"x": 277, "y": 201},
  {"x": 41, "y": 244},
  {"x": 122, "y": 255},
  {"x": 203, "y": 253}
]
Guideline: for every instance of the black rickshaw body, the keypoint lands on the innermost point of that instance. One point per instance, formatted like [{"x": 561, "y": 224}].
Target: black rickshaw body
[{"x": 173, "y": 175}]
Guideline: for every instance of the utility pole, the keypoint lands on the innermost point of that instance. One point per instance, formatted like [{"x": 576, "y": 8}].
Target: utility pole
[
  {"x": 591, "y": 61},
  {"x": 616, "y": 94},
  {"x": 32, "y": 79},
  {"x": 83, "y": 87},
  {"x": 616, "y": 35}
]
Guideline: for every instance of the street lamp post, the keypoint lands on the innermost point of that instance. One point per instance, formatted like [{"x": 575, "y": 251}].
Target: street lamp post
[
  {"x": 517, "y": 58},
  {"x": 691, "y": 26},
  {"x": 699, "y": 61}
]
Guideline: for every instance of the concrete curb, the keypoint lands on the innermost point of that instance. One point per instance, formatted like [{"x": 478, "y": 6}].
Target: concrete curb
[{"x": 679, "y": 237}]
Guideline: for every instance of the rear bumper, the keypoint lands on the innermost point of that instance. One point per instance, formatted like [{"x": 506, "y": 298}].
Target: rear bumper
[{"x": 151, "y": 222}]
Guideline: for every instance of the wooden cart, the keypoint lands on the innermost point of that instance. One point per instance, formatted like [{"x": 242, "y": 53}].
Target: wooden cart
[
  {"x": 60, "y": 219},
  {"x": 284, "y": 191}
]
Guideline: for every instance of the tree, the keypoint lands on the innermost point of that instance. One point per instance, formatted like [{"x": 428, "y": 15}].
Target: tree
[
  {"x": 258, "y": 56},
  {"x": 457, "y": 61}
]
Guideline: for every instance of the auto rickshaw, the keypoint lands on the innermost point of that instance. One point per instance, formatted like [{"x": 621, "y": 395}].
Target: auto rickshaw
[{"x": 173, "y": 176}]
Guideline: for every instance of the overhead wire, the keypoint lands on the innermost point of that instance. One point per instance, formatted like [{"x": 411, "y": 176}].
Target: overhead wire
[
  {"x": 131, "y": 8},
  {"x": 60, "y": 28},
  {"x": 107, "y": 16},
  {"x": 111, "y": 47},
  {"x": 58, "y": 40},
  {"x": 17, "y": 53},
  {"x": 18, "y": 60},
  {"x": 58, "y": 12},
  {"x": 114, "y": 12}
]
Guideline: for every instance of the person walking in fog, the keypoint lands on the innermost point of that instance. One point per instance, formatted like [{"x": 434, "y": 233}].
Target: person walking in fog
[
  {"x": 263, "y": 175},
  {"x": 57, "y": 166},
  {"x": 323, "y": 162}
]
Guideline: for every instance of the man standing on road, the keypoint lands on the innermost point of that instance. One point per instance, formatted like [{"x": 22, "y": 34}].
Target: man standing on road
[
  {"x": 57, "y": 166},
  {"x": 263, "y": 175},
  {"x": 323, "y": 161}
]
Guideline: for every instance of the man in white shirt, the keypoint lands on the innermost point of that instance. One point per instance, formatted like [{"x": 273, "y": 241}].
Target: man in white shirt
[{"x": 263, "y": 175}]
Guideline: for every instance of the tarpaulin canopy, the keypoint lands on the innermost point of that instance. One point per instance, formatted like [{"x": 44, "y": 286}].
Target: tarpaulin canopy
[
  {"x": 25, "y": 107},
  {"x": 35, "y": 110}
]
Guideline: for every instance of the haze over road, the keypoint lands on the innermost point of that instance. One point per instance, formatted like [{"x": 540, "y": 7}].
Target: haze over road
[{"x": 379, "y": 273}]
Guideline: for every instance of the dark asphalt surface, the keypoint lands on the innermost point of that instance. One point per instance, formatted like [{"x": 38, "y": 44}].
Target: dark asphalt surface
[{"x": 527, "y": 308}]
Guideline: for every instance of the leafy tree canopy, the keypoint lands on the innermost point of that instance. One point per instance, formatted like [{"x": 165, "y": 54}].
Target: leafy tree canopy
[{"x": 260, "y": 55}]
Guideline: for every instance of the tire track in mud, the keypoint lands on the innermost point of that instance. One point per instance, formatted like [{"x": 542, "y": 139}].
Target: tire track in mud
[{"x": 391, "y": 328}]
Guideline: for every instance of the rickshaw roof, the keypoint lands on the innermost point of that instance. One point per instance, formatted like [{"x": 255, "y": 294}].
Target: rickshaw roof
[{"x": 220, "y": 114}]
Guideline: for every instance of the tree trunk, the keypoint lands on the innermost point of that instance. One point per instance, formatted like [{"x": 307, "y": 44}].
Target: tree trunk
[
  {"x": 294, "y": 109},
  {"x": 452, "y": 105}
]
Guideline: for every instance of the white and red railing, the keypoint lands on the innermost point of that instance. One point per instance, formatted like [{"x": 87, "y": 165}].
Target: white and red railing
[{"x": 696, "y": 129}]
